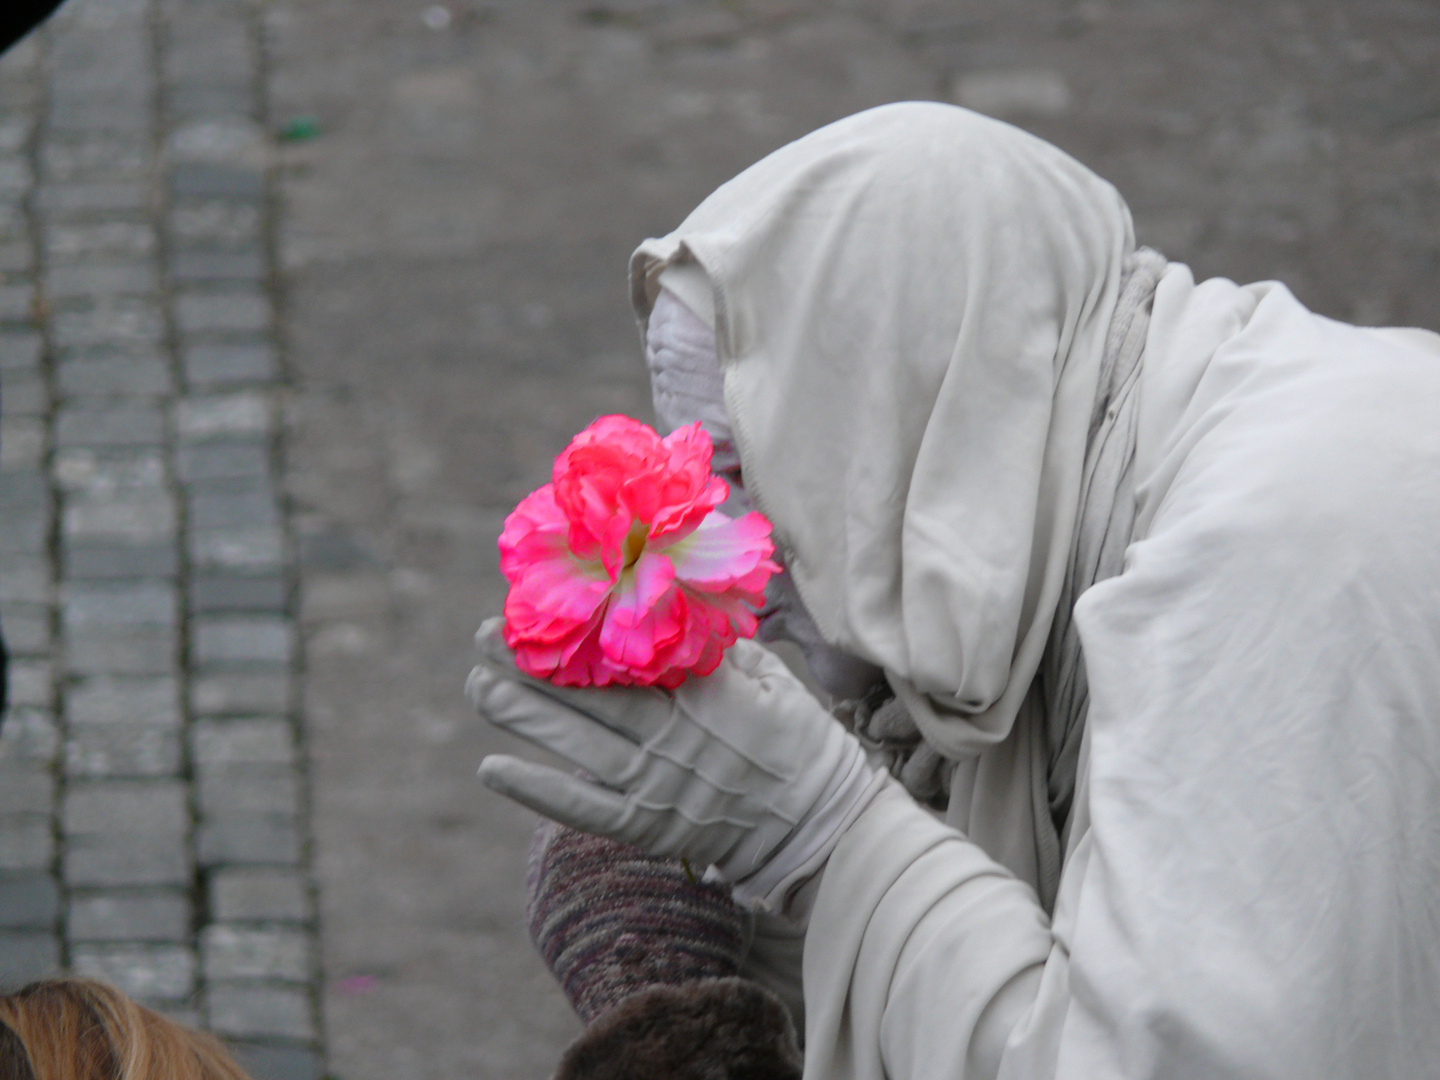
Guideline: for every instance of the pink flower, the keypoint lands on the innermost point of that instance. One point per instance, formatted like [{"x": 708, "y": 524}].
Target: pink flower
[{"x": 622, "y": 570}]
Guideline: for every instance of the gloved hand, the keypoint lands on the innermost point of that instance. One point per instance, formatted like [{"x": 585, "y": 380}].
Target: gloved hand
[{"x": 741, "y": 769}]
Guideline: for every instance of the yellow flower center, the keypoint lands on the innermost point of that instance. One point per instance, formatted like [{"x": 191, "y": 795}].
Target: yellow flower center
[{"x": 635, "y": 543}]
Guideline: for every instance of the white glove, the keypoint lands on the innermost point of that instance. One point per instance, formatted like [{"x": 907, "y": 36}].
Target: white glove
[{"x": 741, "y": 769}]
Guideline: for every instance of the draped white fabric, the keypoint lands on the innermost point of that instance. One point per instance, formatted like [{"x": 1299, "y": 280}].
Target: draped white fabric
[{"x": 1251, "y": 885}]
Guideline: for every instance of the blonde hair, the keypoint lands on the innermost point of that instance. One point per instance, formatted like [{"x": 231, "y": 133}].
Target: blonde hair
[{"x": 80, "y": 1029}]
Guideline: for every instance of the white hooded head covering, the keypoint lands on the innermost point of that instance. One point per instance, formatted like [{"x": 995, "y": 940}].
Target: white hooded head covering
[{"x": 910, "y": 307}]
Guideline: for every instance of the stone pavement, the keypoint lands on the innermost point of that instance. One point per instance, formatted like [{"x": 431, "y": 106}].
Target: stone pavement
[
  {"x": 336, "y": 432},
  {"x": 150, "y": 781}
]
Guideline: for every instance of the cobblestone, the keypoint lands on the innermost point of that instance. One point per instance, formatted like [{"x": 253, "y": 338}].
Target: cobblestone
[
  {"x": 116, "y": 376},
  {"x": 258, "y": 1011},
  {"x": 213, "y": 366},
  {"x": 211, "y": 595},
  {"x": 223, "y": 461},
  {"x": 249, "y": 838},
  {"x": 26, "y": 842},
  {"x": 25, "y": 957},
  {"x": 237, "y": 640},
  {"x": 242, "y": 693},
  {"x": 242, "y": 742},
  {"x": 218, "y": 266},
  {"x": 97, "y": 562},
  {"x": 29, "y": 791},
  {"x": 19, "y": 351},
  {"x": 29, "y": 901},
  {"x": 131, "y": 917},
  {"x": 230, "y": 952},
  {"x": 220, "y": 313},
  {"x": 150, "y": 973},
  {"x": 243, "y": 894},
  {"x": 89, "y": 281},
  {"x": 117, "y": 426}
]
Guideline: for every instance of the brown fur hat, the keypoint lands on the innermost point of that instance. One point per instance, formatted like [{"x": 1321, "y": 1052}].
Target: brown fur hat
[{"x": 711, "y": 1029}]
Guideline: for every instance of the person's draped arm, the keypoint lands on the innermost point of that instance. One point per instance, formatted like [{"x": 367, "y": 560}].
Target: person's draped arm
[{"x": 924, "y": 956}]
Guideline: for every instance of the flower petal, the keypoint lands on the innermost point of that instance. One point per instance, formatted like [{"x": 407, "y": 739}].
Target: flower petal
[{"x": 724, "y": 552}]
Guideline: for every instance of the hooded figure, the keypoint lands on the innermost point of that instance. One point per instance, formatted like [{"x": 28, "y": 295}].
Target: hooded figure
[{"x": 1149, "y": 566}]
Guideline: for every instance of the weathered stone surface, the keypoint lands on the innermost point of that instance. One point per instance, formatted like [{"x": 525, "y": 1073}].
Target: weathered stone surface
[
  {"x": 271, "y": 953},
  {"x": 258, "y": 1011},
  {"x": 151, "y": 916},
  {"x": 147, "y": 972},
  {"x": 28, "y": 901},
  {"x": 244, "y": 894}
]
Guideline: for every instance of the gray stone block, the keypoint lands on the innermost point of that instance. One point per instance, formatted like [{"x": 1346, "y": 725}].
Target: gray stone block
[
  {"x": 114, "y": 238},
  {"x": 132, "y": 808},
  {"x": 218, "y": 461},
  {"x": 253, "y": 550},
  {"x": 269, "y": 1062},
  {"x": 72, "y": 200},
  {"x": 238, "y": 312},
  {"x": 32, "y": 682},
  {"x": 22, "y": 493},
  {"x": 116, "y": 375},
  {"x": 29, "y": 901},
  {"x": 25, "y": 395},
  {"x": 116, "y": 323},
  {"x": 230, "y": 508},
  {"x": 17, "y": 303},
  {"x": 203, "y": 267},
  {"x": 242, "y": 693},
  {"x": 228, "y": 223},
  {"x": 24, "y": 580},
  {"x": 246, "y": 894},
  {"x": 109, "y": 562},
  {"x": 260, "y": 1011},
  {"x": 122, "y": 750},
  {"x": 75, "y": 115},
  {"x": 230, "y": 593},
  {"x": 263, "y": 789},
  {"x": 280, "y": 954},
  {"x": 94, "y": 280},
  {"x": 29, "y": 735},
  {"x": 122, "y": 651},
  {"x": 139, "y": 516},
  {"x": 27, "y": 841},
  {"x": 15, "y": 178},
  {"x": 121, "y": 860},
  {"x": 26, "y": 957},
  {"x": 23, "y": 442},
  {"x": 28, "y": 630},
  {"x": 208, "y": 366},
  {"x": 251, "y": 741},
  {"x": 27, "y": 789},
  {"x": 155, "y": 702},
  {"x": 246, "y": 414},
  {"x": 248, "y": 838},
  {"x": 24, "y": 533},
  {"x": 95, "y": 606},
  {"x": 237, "y": 640},
  {"x": 16, "y": 257},
  {"x": 216, "y": 181},
  {"x": 117, "y": 426},
  {"x": 126, "y": 916},
  {"x": 148, "y": 972},
  {"x": 100, "y": 157},
  {"x": 19, "y": 351},
  {"x": 108, "y": 471}
]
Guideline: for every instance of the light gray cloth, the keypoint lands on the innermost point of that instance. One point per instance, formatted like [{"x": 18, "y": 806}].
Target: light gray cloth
[{"x": 1251, "y": 883}]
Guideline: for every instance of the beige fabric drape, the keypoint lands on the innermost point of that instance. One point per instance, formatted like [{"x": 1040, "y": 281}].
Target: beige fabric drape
[{"x": 911, "y": 307}]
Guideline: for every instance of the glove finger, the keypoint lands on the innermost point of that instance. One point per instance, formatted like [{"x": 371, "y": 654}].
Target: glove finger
[
  {"x": 638, "y": 712},
  {"x": 559, "y": 796},
  {"x": 512, "y": 704}
]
